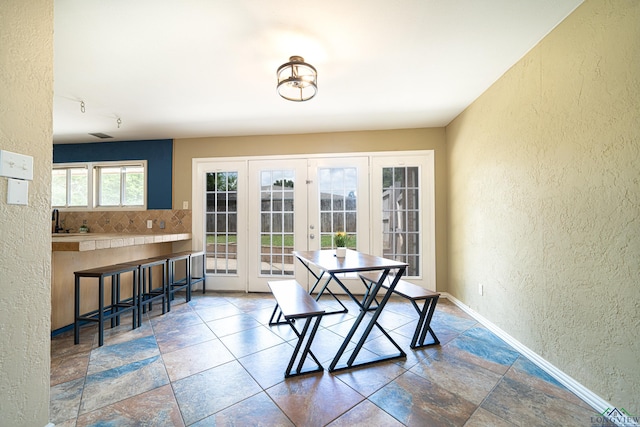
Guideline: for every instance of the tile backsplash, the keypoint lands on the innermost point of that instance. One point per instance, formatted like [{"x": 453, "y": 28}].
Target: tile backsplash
[{"x": 174, "y": 221}]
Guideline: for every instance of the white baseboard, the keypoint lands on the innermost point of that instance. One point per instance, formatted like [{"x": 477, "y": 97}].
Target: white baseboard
[{"x": 597, "y": 403}]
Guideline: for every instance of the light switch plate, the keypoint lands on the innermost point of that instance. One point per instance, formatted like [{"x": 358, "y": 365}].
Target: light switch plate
[
  {"x": 17, "y": 192},
  {"x": 14, "y": 165}
]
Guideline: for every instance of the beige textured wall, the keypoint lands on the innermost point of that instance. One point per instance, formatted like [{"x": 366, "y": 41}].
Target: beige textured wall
[
  {"x": 26, "y": 95},
  {"x": 339, "y": 142},
  {"x": 544, "y": 200}
]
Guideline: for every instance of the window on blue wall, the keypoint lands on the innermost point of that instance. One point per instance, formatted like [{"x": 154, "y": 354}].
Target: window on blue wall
[
  {"x": 104, "y": 185},
  {"x": 70, "y": 187},
  {"x": 120, "y": 185}
]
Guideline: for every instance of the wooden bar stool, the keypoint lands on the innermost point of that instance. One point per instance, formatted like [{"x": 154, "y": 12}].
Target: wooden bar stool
[
  {"x": 116, "y": 308},
  {"x": 148, "y": 293},
  {"x": 176, "y": 284},
  {"x": 181, "y": 275}
]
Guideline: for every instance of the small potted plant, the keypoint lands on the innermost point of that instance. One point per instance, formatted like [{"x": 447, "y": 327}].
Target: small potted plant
[{"x": 340, "y": 240}]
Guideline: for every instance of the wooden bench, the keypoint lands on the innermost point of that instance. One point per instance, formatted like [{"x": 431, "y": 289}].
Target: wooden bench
[
  {"x": 148, "y": 291},
  {"x": 413, "y": 293},
  {"x": 295, "y": 303}
]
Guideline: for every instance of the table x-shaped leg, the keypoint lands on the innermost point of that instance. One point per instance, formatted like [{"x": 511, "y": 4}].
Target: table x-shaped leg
[
  {"x": 373, "y": 321},
  {"x": 324, "y": 287}
]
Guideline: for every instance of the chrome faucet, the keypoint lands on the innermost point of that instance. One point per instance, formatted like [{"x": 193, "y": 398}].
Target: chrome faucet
[{"x": 56, "y": 217}]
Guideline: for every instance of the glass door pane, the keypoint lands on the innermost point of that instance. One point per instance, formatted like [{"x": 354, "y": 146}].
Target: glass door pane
[
  {"x": 403, "y": 213},
  {"x": 338, "y": 201},
  {"x": 221, "y": 219},
  {"x": 278, "y": 220},
  {"x": 338, "y": 189},
  {"x": 401, "y": 216},
  {"x": 277, "y": 239}
]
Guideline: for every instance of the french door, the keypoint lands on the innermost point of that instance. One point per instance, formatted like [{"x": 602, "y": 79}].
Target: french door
[
  {"x": 299, "y": 204},
  {"x": 277, "y": 197},
  {"x": 219, "y": 222},
  {"x": 250, "y": 214}
]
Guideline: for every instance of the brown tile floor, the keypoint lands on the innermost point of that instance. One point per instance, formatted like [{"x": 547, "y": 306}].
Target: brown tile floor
[{"x": 215, "y": 361}]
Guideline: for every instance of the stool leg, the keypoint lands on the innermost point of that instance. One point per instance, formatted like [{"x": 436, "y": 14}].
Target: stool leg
[
  {"x": 134, "y": 297},
  {"x": 117, "y": 317},
  {"x": 150, "y": 286},
  {"x": 188, "y": 272},
  {"x": 204, "y": 272},
  {"x": 146, "y": 281},
  {"x": 140, "y": 291},
  {"x": 101, "y": 311},
  {"x": 165, "y": 284},
  {"x": 76, "y": 312},
  {"x": 169, "y": 282}
]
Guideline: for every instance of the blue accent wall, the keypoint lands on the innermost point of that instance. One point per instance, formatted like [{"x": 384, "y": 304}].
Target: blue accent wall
[{"x": 158, "y": 154}]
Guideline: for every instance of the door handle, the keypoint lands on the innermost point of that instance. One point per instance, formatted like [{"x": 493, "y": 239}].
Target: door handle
[{"x": 312, "y": 236}]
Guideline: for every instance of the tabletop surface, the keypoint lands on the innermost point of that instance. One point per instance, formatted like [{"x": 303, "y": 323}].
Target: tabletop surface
[{"x": 353, "y": 261}]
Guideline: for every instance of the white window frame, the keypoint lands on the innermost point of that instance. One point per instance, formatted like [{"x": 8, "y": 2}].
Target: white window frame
[
  {"x": 93, "y": 185},
  {"x": 66, "y": 167}
]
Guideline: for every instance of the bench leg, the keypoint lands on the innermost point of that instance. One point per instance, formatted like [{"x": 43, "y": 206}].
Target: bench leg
[
  {"x": 424, "y": 324},
  {"x": 277, "y": 320},
  {"x": 307, "y": 348}
]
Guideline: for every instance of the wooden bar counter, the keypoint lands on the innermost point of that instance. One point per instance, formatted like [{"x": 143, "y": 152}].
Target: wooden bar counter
[{"x": 82, "y": 251}]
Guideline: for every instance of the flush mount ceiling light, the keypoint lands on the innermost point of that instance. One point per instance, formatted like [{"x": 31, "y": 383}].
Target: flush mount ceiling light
[{"x": 297, "y": 80}]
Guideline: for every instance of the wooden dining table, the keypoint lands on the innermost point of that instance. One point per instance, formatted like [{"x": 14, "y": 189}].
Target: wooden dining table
[{"x": 328, "y": 264}]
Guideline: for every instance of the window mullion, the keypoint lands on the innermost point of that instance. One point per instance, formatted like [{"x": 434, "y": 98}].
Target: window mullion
[
  {"x": 68, "y": 189},
  {"x": 91, "y": 191},
  {"x": 100, "y": 186},
  {"x": 123, "y": 183}
]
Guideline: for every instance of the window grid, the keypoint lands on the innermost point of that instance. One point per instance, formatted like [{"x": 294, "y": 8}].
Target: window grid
[
  {"x": 276, "y": 222},
  {"x": 120, "y": 186},
  {"x": 400, "y": 216},
  {"x": 338, "y": 205},
  {"x": 221, "y": 222}
]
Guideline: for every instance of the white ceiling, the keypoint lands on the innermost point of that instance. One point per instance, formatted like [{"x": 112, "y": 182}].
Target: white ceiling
[{"x": 192, "y": 68}]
